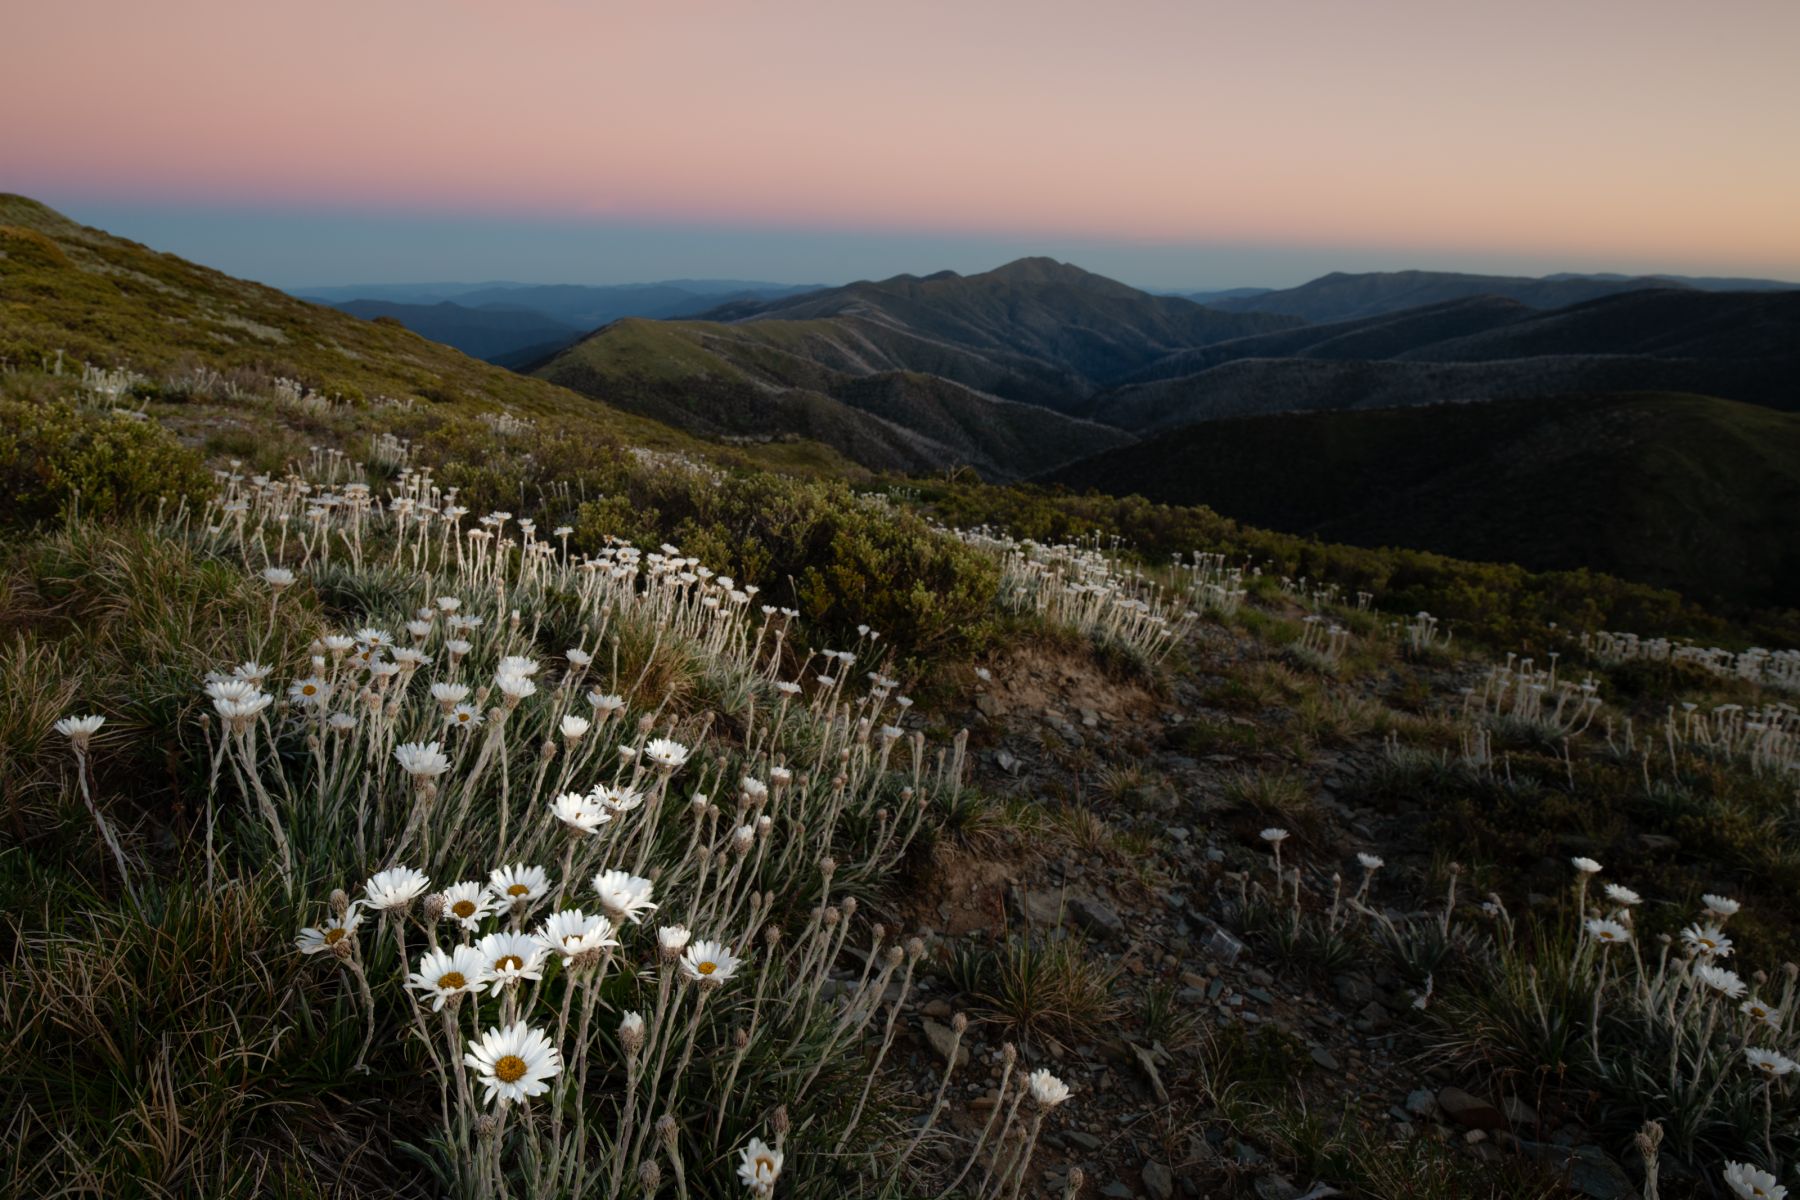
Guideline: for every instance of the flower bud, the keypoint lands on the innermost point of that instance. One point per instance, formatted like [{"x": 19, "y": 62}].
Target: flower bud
[
  {"x": 649, "y": 1176},
  {"x": 340, "y": 902}
]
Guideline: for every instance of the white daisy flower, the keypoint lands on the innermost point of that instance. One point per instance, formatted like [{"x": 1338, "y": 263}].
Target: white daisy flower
[
  {"x": 1274, "y": 835},
  {"x": 578, "y": 813},
  {"x": 278, "y": 578},
  {"x": 80, "y": 730},
  {"x": 515, "y": 687},
  {"x": 445, "y": 975},
  {"x": 1708, "y": 941},
  {"x": 1607, "y": 933},
  {"x": 572, "y": 932},
  {"x": 310, "y": 692},
  {"x": 1720, "y": 980},
  {"x": 467, "y": 903},
  {"x": 1047, "y": 1091},
  {"x": 759, "y": 1166},
  {"x": 1753, "y": 1183},
  {"x": 516, "y": 883},
  {"x": 573, "y": 727},
  {"x": 673, "y": 939},
  {"x": 449, "y": 695},
  {"x": 616, "y": 799},
  {"x": 316, "y": 938},
  {"x": 1769, "y": 1062},
  {"x": 422, "y": 760},
  {"x": 464, "y": 716},
  {"x": 1623, "y": 896},
  {"x": 1370, "y": 862},
  {"x": 1720, "y": 906},
  {"x": 1761, "y": 1012},
  {"x": 510, "y": 957},
  {"x": 514, "y": 1063},
  {"x": 395, "y": 887},
  {"x": 605, "y": 704},
  {"x": 666, "y": 753},
  {"x": 708, "y": 962},
  {"x": 1585, "y": 866},
  {"x": 624, "y": 896}
]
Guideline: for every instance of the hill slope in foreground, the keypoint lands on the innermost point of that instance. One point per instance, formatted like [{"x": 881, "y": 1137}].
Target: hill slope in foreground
[
  {"x": 1682, "y": 491},
  {"x": 72, "y": 290}
]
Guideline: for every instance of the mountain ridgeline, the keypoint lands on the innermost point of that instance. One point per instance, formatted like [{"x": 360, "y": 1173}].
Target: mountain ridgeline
[{"x": 1635, "y": 397}]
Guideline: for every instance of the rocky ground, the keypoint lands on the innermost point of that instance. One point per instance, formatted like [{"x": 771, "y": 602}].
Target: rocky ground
[{"x": 1141, "y": 834}]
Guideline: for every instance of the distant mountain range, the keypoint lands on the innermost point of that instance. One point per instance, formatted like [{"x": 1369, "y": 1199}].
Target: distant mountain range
[
  {"x": 517, "y": 323},
  {"x": 1642, "y": 425},
  {"x": 1344, "y": 297}
]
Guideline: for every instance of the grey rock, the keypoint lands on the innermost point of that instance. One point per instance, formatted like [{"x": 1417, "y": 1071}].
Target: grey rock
[
  {"x": 1324, "y": 1058},
  {"x": 1159, "y": 1180},
  {"x": 1117, "y": 1191},
  {"x": 1519, "y": 1113},
  {"x": 1588, "y": 1168},
  {"x": 1422, "y": 1103},
  {"x": 1082, "y": 1140},
  {"x": 942, "y": 1038},
  {"x": 1095, "y": 914},
  {"x": 1471, "y": 1112},
  {"x": 1354, "y": 990}
]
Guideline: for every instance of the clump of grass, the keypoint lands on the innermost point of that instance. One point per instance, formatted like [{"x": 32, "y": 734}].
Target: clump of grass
[{"x": 1041, "y": 986}]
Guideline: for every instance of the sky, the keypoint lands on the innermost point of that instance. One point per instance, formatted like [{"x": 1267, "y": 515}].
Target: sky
[{"x": 1169, "y": 143}]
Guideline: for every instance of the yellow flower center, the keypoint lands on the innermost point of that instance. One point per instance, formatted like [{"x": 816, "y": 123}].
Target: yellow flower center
[
  {"x": 509, "y": 962},
  {"x": 307, "y": 689},
  {"x": 463, "y": 908},
  {"x": 451, "y": 980},
  {"x": 707, "y": 968},
  {"x": 334, "y": 936},
  {"x": 510, "y": 1069},
  {"x": 518, "y": 889}
]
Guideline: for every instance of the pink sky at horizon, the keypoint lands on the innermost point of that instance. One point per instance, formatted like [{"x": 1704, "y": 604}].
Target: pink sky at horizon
[{"x": 1642, "y": 130}]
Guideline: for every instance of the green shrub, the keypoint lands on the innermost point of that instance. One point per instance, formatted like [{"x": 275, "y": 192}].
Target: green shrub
[{"x": 55, "y": 458}]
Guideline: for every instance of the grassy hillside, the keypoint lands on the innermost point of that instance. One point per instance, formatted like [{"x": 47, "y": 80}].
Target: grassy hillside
[
  {"x": 1681, "y": 491},
  {"x": 104, "y": 300},
  {"x": 820, "y": 380}
]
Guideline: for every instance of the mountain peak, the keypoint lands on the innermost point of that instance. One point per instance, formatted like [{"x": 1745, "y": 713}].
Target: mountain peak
[{"x": 1040, "y": 269}]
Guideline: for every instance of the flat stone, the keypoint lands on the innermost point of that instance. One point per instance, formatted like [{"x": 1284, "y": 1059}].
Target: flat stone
[
  {"x": 1519, "y": 1113},
  {"x": 1095, "y": 914},
  {"x": 1422, "y": 1103},
  {"x": 1159, "y": 1180},
  {"x": 1323, "y": 1057},
  {"x": 1471, "y": 1112},
  {"x": 1082, "y": 1140},
  {"x": 942, "y": 1038}
]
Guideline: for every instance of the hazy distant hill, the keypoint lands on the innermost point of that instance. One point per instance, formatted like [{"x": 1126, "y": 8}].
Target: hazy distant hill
[
  {"x": 517, "y": 324},
  {"x": 1342, "y": 297},
  {"x": 1740, "y": 346},
  {"x": 1685, "y": 491},
  {"x": 493, "y": 333}
]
